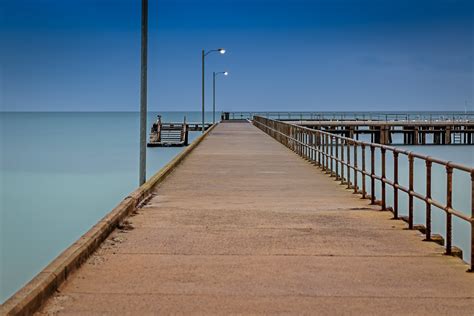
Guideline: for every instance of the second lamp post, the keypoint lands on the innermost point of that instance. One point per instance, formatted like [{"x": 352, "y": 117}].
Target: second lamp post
[
  {"x": 203, "y": 55},
  {"x": 214, "y": 75}
]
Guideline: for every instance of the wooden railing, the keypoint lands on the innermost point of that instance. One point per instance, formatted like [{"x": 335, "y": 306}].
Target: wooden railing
[{"x": 333, "y": 154}]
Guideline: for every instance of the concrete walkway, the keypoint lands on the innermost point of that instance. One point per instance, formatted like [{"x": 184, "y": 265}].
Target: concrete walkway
[{"x": 244, "y": 225}]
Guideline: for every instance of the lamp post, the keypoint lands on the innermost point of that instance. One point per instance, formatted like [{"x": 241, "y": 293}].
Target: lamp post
[
  {"x": 214, "y": 75},
  {"x": 143, "y": 92},
  {"x": 203, "y": 56}
]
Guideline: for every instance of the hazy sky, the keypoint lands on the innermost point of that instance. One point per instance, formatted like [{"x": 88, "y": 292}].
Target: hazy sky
[{"x": 319, "y": 55}]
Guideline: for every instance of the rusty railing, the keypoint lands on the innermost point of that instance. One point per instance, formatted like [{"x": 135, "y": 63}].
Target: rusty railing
[{"x": 322, "y": 148}]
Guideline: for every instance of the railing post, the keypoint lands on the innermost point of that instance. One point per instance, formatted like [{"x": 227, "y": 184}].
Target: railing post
[
  {"x": 326, "y": 152},
  {"x": 332, "y": 156},
  {"x": 348, "y": 165},
  {"x": 305, "y": 144},
  {"x": 328, "y": 139},
  {"x": 293, "y": 139},
  {"x": 449, "y": 204},
  {"x": 284, "y": 138},
  {"x": 472, "y": 222},
  {"x": 314, "y": 146},
  {"x": 323, "y": 148},
  {"x": 428, "y": 196},
  {"x": 319, "y": 149},
  {"x": 395, "y": 182},
  {"x": 343, "y": 141},
  {"x": 410, "y": 190},
  {"x": 289, "y": 137},
  {"x": 301, "y": 142},
  {"x": 290, "y": 142},
  {"x": 364, "y": 191},
  {"x": 337, "y": 157},
  {"x": 384, "y": 202},
  {"x": 302, "y": 149},
  {"x": 308, "y": 145},
  {"x": 372, "y": 174},
  {"x": 355, "y": 169},
  {"x": 297, "y": 139}
]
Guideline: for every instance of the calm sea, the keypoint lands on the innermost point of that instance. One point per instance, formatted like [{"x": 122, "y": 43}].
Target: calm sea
[{"x": 61, "y": 172}]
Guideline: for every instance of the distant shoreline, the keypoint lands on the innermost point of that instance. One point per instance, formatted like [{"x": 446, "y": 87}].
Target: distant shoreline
[{"x": 253, "y": 111}]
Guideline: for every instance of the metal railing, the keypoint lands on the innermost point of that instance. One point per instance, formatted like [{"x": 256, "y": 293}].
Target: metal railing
[
  {"x": 333, "y": 154},
  {"x": 359, "y": 116}
]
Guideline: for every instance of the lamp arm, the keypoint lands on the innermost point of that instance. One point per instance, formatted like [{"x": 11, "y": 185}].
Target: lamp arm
[{"x": 212, "y": 50}]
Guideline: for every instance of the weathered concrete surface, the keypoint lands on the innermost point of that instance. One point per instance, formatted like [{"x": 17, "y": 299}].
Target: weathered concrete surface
[{"x": 246, "y": 226}]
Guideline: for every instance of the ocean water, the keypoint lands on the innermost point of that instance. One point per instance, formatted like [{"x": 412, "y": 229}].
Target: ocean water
[{"x": 61, "y": 172}]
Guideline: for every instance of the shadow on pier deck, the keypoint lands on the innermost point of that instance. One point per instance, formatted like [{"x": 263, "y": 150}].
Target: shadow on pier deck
[{"x": 246, "y": 226}]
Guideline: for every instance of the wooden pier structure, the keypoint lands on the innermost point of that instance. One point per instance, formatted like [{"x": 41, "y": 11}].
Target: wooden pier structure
[
  {"x": 416, "y": 128},
  {"x": 172, "y": 134},
  {"x": 414, "y": 132},
  {"x": 464, "y": 116},
  {"x": 245, "y": 226}
]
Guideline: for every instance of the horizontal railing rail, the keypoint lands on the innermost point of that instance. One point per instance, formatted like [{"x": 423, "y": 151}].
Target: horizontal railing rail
[
  {"x": 372, "y": 116},
  {"x": 338, "y": 156}
]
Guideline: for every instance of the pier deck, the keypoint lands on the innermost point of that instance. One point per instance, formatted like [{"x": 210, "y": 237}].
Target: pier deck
[{"x": 244, "y": 225}]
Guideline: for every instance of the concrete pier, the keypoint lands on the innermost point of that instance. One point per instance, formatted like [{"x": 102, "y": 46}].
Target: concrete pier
[{"x": 244, "y": 225}]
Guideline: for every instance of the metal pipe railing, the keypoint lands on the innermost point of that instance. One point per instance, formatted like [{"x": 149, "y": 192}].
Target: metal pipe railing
[
  {"x": 356, "y": 116},
  {"x": 318, "y": 146}
]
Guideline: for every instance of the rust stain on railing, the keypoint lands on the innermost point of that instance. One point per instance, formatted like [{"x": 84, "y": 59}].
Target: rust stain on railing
[{"x": 317, "y": 147}]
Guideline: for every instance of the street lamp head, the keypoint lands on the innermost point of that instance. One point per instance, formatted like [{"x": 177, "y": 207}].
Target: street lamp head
[
  {"x": 221, "y": 50},
  {"x": 225, "y": 73}
]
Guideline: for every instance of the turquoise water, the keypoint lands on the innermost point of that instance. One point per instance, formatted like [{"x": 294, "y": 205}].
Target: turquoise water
[{"x": 60, "y": 173}]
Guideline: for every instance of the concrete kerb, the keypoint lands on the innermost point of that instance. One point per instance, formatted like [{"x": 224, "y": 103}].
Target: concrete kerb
[{"x": 30, "y": 297}]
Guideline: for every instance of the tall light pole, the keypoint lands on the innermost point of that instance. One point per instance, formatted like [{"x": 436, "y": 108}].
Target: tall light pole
[
  {"x": 143, "y": 93},
  {"x": 214, "y": 75},
  {"x": 203, "y": 56}
]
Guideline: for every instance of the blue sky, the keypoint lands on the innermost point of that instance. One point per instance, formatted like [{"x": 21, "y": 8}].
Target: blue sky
[{"x": 319, "y": 55}]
